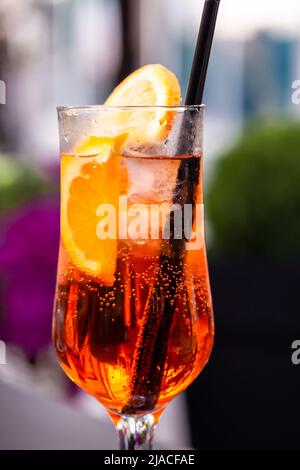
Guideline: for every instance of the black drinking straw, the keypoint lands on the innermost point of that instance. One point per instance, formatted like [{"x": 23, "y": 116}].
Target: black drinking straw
[
  {"x": 149, "y": 361},
  {"x": 202, "y": 53}
]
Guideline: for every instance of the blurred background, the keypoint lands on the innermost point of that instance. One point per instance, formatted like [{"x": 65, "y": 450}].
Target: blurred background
[{"x": 74, "y": 52}]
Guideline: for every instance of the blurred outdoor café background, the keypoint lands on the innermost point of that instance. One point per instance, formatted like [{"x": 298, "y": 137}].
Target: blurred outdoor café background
[{"x": 74, "y": 52}]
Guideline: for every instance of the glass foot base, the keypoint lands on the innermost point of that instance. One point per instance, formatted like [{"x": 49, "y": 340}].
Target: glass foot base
[{"x": 136, "y": 432}]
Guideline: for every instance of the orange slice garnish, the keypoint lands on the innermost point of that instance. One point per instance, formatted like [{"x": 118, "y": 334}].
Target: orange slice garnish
[
  {"x": 95, "y": 173},
  {"x": 86, "y": 183},
  {"x": 151, "y": 85}
]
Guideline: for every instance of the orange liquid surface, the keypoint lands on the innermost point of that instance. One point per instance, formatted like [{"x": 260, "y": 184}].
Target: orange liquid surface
[{"x": 138, "y": 342}]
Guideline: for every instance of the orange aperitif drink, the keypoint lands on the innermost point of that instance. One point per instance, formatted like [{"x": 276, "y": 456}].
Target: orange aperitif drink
[{"x": 133, "y": 321}]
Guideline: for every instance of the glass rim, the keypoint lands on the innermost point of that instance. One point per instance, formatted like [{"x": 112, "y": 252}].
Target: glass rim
[{"x": 100, "y": 107}]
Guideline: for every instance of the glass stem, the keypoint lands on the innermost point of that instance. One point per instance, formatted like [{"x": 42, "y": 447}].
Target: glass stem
[{"x": 136, "y": 432}]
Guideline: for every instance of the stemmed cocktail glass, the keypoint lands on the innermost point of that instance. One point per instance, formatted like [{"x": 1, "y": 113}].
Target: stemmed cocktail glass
[{"x": 133, "y": 321}]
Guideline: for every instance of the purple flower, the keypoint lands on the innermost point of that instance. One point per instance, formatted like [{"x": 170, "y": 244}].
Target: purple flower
[{"x": 28, "y": 259}]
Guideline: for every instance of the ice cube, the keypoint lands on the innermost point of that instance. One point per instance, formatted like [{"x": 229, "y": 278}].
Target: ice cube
[{"x": 153, "y": 176}]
